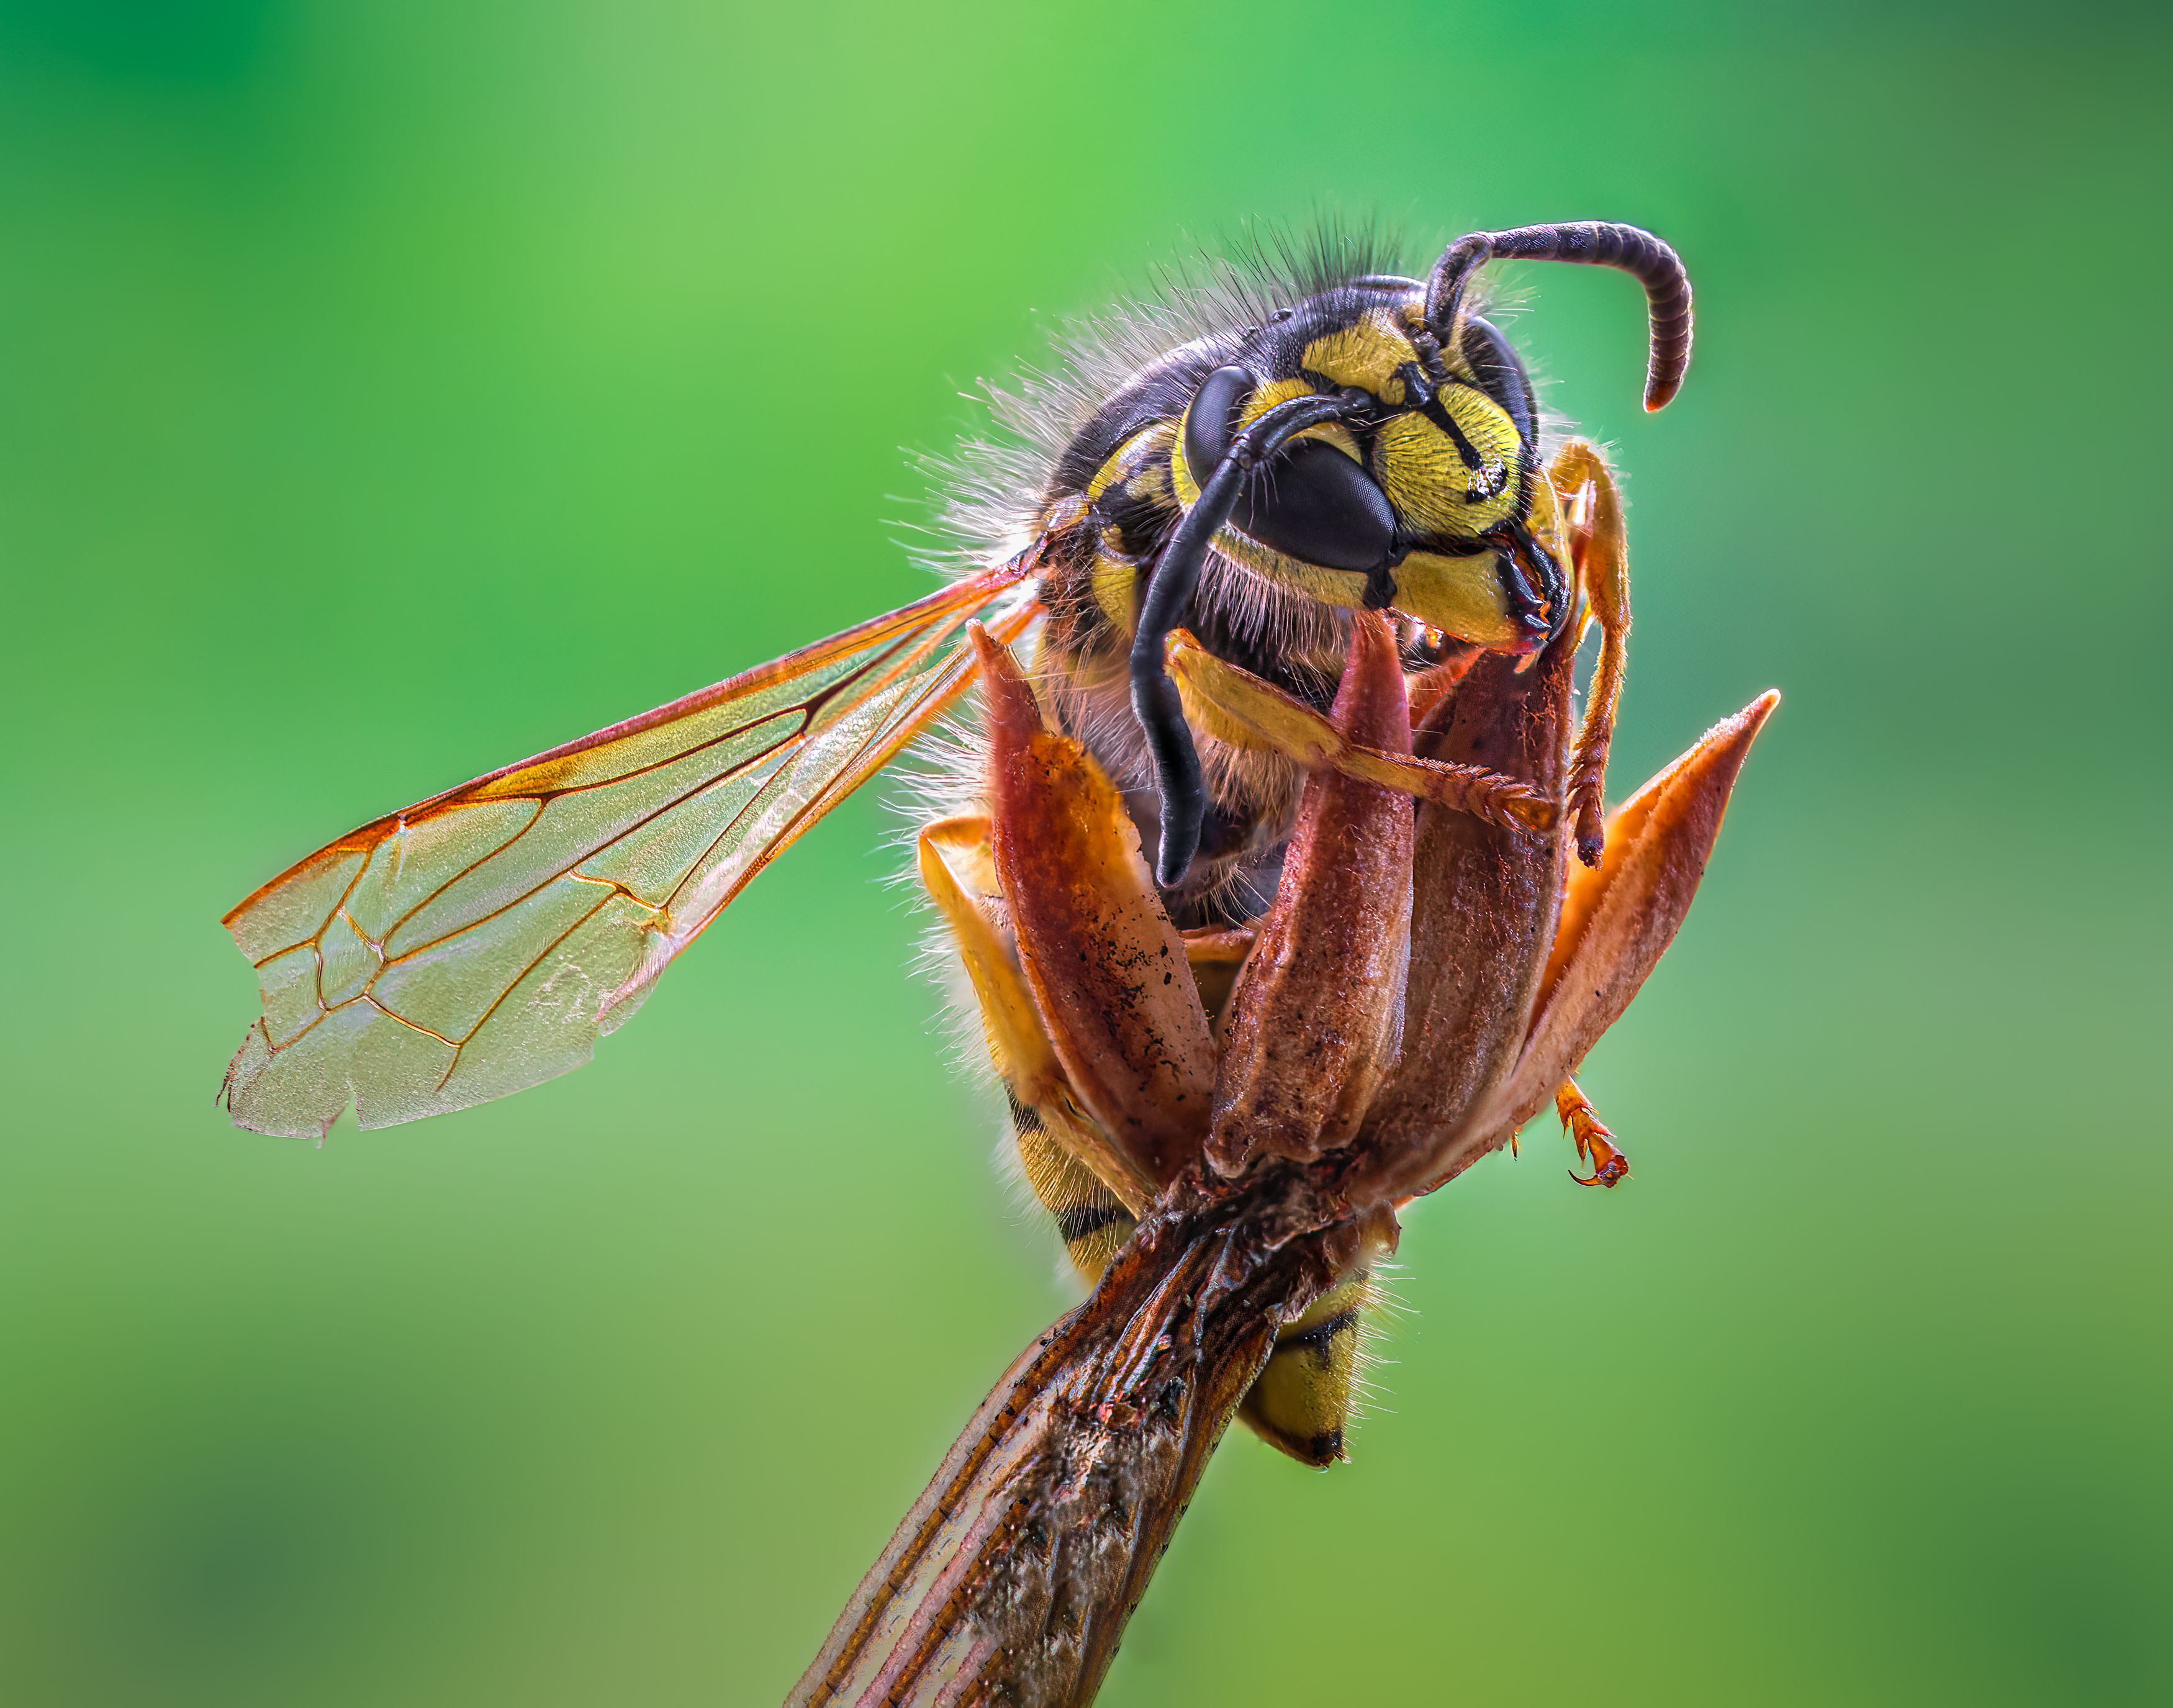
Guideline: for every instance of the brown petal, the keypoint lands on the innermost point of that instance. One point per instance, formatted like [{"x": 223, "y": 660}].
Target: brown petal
[
  {"x": 1484, "y": 906},
  {"x": 1318, "y": 1014},
  {"x": 958, "y": 869},
  {"x": 1618, "y": 921},
  {"x": 1106, "y": 966}
]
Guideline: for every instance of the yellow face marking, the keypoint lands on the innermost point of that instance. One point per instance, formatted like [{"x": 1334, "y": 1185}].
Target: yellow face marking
[
  {"x": 1460, "y": 596},
  {"x": 1425, "y": 478},
  {"x": 1366, "y": 354},
  {"x": 1269, "y": 395},
  {"x": 1184, "y": 479},
  {"x": 1344, "y": 589},
  {"x": 1282, "y": 391}
]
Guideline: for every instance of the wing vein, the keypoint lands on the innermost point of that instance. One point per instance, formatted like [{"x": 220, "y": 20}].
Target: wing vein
[{"x": 482, "y": 876}]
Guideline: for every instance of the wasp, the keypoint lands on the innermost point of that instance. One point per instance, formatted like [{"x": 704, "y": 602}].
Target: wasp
[{"x": 1299, "y": 601}]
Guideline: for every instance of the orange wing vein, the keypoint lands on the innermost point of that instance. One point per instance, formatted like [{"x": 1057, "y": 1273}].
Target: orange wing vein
[{"x": 479, "y": 942}]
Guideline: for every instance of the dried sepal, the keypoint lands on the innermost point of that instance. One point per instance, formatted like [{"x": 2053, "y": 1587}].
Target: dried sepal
[
  {"x": 1216, "y": 954},
  {"x": 1485, "y": 900},
  {"x": 1317, "y": 1017},
  {"x": 1618, "y": 919},
  {"x": 1106, "y": 969},
  {"x": 957, "y": 868}
]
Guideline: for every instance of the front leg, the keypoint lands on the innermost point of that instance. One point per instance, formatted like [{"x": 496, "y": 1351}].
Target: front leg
[
  {"x": 1600, "y": 548},
  {"x": 1237, "y": 706}
]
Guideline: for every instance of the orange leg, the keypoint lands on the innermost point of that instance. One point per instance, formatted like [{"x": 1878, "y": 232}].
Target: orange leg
[
  {"x": 1597, "y": 545},
  {"x": 1431, "y": 687},
  {"x": 1237, "y": 706},
  {"x": 1610, "y": 1166}
]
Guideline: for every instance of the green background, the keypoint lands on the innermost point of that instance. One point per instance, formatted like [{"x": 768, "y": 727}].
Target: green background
[{"x": 390, "y": 390}]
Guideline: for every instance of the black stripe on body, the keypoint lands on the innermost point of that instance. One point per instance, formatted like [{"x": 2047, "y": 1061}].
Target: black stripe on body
[
  {"x": 1318, "y": 1340},
  {"x": 1082, "y": 1220}
]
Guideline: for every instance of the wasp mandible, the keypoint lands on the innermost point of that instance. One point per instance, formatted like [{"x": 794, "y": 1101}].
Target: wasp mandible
[{"x": 1302, "y": 599}]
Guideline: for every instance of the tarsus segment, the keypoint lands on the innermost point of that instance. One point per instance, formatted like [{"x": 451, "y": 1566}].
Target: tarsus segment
[{"x": 1592, "y": 1137}]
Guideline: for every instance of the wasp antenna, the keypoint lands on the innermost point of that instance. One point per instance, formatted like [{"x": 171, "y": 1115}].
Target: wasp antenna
[{"x": 1594, "y": 243}]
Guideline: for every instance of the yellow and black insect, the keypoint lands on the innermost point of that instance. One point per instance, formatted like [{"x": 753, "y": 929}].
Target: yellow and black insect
[
  {"x": 1257, "y": 543},
  {"x": 1352, "y": 440}
]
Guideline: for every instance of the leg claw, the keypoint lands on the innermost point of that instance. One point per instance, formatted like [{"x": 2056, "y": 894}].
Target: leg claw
[{"x": 1609, "y": 1166}]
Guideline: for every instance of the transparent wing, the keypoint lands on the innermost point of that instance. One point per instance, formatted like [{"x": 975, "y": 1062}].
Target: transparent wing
[{"x": 477, "y": 943}]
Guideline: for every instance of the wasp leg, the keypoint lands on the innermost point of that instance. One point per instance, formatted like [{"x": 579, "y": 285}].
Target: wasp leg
[
  {"x": 1610, "y": 1166},
  {"x": 1239, "y": 707},
  {"x": 1170, "y": 587},
  {"x": 1434, "y": 684},
  {"x": 1600, "y": 549}
]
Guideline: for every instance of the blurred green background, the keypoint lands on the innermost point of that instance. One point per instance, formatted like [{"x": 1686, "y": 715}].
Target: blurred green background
[{"x": 390, "y": 390}]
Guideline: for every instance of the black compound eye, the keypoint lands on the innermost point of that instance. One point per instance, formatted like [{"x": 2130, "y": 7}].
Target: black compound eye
[
  {"x": 1312, "y": 502},
  {"x": 1211, "y": 423},
  {"x": 1308, "y": 501}
]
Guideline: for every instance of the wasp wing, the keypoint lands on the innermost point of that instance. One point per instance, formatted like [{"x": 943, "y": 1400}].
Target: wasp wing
[{"x": 477, "y": 943}]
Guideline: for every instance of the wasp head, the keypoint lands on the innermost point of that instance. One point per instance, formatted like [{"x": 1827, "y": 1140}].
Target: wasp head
[{"x": 1418, "y": 492}]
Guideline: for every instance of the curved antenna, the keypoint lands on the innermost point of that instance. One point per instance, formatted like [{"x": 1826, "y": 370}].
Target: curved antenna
[{"x": 1594, "y": 243}]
